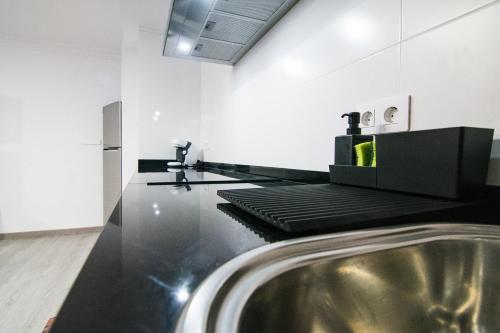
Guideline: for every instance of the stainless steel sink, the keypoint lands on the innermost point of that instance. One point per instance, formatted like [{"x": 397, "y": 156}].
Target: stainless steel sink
[{"x": 427, "y": 278}]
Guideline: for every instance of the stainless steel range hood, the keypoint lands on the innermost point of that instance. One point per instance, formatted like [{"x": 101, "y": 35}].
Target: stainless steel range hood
[{"x": 220, "y": 31}]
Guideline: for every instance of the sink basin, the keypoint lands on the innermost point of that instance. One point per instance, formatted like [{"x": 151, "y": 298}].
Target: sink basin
[{"x": 427, "y": 278}]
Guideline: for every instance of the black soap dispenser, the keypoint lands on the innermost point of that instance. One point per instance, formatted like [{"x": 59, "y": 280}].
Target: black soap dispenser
[
  {"x": 344, "y": 144},
  {"x": 354, "y": 119}
]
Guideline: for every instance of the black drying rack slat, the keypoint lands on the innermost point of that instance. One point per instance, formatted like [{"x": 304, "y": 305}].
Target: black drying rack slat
[{"x": 313, "y": 207}]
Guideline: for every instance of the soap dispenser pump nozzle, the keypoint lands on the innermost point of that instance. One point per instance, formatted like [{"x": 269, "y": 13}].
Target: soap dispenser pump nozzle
[{"x": 354, "y": 120}]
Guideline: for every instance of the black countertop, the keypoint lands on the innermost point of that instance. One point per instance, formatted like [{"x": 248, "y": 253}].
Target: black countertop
[{"x": 161, "y": 242}]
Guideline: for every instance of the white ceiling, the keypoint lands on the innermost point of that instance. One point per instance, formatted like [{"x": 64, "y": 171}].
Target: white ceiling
[
  {"x": 151, "y": 14},
  {"x": 89, "y": 23}
]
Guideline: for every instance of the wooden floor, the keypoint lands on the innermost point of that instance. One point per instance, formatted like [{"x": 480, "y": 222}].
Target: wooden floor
[{"x": 35, "y": 276}]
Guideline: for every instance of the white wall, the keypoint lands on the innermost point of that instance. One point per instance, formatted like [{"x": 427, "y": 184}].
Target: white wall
[
  {"x": 161, "y": 100},
  {"x": 130, "y": 102},
  {"x": 51, "y": 99},
  {"x": 169, "y": 100},
  {"x": 281, "y": 104}
]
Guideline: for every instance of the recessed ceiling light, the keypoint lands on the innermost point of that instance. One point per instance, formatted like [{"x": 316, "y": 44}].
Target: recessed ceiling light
[{"x": 184, "y": 47}]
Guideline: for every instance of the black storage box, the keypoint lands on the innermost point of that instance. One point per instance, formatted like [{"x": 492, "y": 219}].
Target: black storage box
[
  {"x": 344, "y": 148},
  {"x": 450, "y": 163},
  {"x": 353, "y": 175}
]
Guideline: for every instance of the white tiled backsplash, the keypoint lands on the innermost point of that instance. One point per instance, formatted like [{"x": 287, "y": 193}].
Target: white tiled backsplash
[{"x": 281, "y": 104}]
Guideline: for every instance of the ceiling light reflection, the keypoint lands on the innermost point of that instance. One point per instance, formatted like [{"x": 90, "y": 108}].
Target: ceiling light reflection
[
  {"x": 356, "y": 27},
  {"x": 292, "y": 66},
  {"x": 182, "y": 294}
]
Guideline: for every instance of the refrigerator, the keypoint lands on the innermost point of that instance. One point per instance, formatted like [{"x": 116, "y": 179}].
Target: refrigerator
[{"x": 112, "y": 157}]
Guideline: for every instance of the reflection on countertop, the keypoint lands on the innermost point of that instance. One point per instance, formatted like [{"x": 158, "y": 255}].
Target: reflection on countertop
[{"x": 173, "y": 176}]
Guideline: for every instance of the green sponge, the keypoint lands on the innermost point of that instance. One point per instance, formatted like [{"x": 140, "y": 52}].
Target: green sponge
[
  {"x": 374, "y": 154},
  {"x": 363, "y": 153}
]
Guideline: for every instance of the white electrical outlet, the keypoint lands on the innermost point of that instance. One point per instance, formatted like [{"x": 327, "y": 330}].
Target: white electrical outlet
[
  {"x": 385, "y": 115},
  {"x": 367, "y": 119}
]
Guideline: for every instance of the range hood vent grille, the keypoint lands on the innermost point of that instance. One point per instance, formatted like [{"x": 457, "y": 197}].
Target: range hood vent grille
[
  {"x": 210, "y": 49},
  {"x": 256, "y": 9},
  {"x": 230, "y": 29},
  {"x": 220, "y": 31}
]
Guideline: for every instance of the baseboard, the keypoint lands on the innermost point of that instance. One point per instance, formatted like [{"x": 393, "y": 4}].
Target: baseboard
[{"x": 48, "y": 233}]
